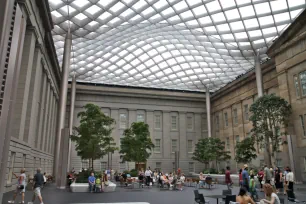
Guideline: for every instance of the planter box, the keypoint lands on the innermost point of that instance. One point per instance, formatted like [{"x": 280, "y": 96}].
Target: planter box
[{"x": 84, "y": 187}]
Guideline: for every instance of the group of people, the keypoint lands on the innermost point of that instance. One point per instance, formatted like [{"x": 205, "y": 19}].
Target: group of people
[
  {"x": 97, "y": 184},
  {"x": 38, "y": 182},
  {"x": 271, "y": 181}
]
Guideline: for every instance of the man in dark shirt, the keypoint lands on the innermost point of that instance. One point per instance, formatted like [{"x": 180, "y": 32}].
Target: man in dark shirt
[
  {"x": 38, "y": 183},
  {"x": 228, "y": 179}
]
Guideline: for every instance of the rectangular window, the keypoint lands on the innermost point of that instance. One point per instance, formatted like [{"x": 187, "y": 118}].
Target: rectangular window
[
  {"x": 235, "y": 116},
  {"x": 190, "y": 146},
  {"x": 296, "y": 85},
  {"x": 158, "y": 165},
  {"x": 237, "y": 139},
  {"x": 225, "y": 119},
  {"x": 11, "y": 167},
  {"x": 303, "y": 82},
  {"x": 173, "y": 123},
  {"x": 140, "y": 118},
  {"x": 217, "y": 122},
  {"x": 123, "y": 120},
  {"x": 204, "y": 123},
  {"x": 246, "y": 112},
  {"x": 24, "y": 158},
  {"x": 189, "y": 123},
  {"x": 191, "y": 167},
  {"x": 157, "y": 122},
  {"x": 174, "y": 146},
  {"x": 157, "y": 146},
  {"x": 106, "y": 114},
  {"x": 279, "y": 163},
  {"x": 303, "y": 125},
  {"x": 228, "y": 146},
  {"x": 103, "y": 166}
]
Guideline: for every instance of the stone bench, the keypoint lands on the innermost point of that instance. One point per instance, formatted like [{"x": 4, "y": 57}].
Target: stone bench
[{"x": 84, "y": 187}]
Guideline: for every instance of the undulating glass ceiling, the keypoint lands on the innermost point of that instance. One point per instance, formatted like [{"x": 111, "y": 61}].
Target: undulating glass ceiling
[{"x": 172, "y": 44}]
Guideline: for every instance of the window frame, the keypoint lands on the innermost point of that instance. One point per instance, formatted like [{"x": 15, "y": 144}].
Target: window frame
[
  {"x": 235, "y": 116},
  {"x": 122, "y": 121},
  {"x": 246, "y": 112},
  {"x": 225, "y": 119},
  {"x": 189, "y": 119},
  {"x": 228, "y": 145},
  {"x": 155, "y": 151},
  {"x": 172, "y": 142},
  {"x": 298, "y": 85},
  {"x": 302, "y": 120},
  {"x": 11, "y": 167},
  {"x": 159, "y": 122},
  {"x": 172, "y": 127},
  {"x": 188, "y": 147},
  {"x": 143, "y": 117},
  {"x": 301, "y": 84}
]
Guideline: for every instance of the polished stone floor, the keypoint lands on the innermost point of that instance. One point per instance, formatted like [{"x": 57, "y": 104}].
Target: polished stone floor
[{"x": 151, "y": 195}]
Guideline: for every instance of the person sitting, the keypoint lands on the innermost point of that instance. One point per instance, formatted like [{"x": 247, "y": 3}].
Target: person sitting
[
  {"x": 271, "y": 196},
  {"x": 170, "y": 179},
  {"x": 181, "y": 182},
  {"x": 243, "y": 197},
  {"x": 202, "y": 180},
  {"x": 91, "y": 182},
  {"x": 141, "y": 179},
  {"x": 98, "y": 185}
]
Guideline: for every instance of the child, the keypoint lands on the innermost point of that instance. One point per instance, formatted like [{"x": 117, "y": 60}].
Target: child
[
  {"x": 98, "y": 185},
  {"x": 253, "y": 189}
]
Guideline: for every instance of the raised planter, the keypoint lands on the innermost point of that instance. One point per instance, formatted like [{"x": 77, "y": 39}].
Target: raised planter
[{"x": 83, "y": 187}]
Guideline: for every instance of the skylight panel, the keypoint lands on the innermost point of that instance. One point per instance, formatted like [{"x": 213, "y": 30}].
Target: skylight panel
[
  {"x": 296, "y": 3},
  {"x": 236, "y": 25},
  {"x": 205, "y": 20},
  {"x": 135, "y": 62},
  {"x": 242, "y": 35},
  {"x": 80, "y": 3},
  {"x": 56, "y": 14},
  {"x": 228, "y": 36},
  {"x": 105, "y": 15},
  {"x": 281, "y": 17},
  {"x": 65, "y": 9},
  {"x": 223, "y": 27},
  {"x": 282, "y": 27},
  {"x": 160, "y": 4},
  {"x": 186, "y": 14},
  {"x": 213, "y": 6},
  {"x": 180, "y": 6},
  {"x": 117, "y": 7},
  {"x": 232, "y": 14},
  {"x": 265, "y": 20},
  {"x": 127, "y": 67},
  {"x": 295, "y": 13},
  {"x": 93, "y": 9},
  {"x": 254, "y": 33},
  {"x": 129, "y": 57},
  {"x": 200, "y": 10},
  {"x": 114, "y": 58},
  {"x": 219, "y": 17},
  {"x": 55, "y": 2},
  {"x": 149, "y": 63},
  {"x": 194, "y": 2},
  {"x": 140, "y": 4},
  {"x": 93, "y": 23},
  {"x": 122, "y": 53},
  {"x": 278, "y": 5},
  {"x": 163, "y": 65},
  {"x": 251, "y": 23},
  {"x": 120, "y": 62},
  {"x": 115, "y": 20},
  {"x": 148, "y": 11},
  {"x": 227, "y": 3},
  {"x": 80, "y": 16},
  {"x": 247, "y": 11},
  {"x": 144, "y": 57},
  {"x": 152, "y": 52},
  {"x": 262, "y": 8},
  {"x": 158, "y": 59},
  {"x": 105, "y": 3}
]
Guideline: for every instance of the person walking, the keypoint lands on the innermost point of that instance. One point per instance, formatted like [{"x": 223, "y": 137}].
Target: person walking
[
  {"x": 240, "y": 178},
  {"x": 253, "y": 191},
  {"x": 228, "y": 179},
  {"x": 285, "y": 180},
  {"x": 21, "y": 186},
  {"x": 260, "y": 177},
  {"x": 148, "y": 176},
  {"x": 278, "y": 180},
  {"x": 245, "y": 177},
  {"x": 290, "y": 179},
  {"x": 267, "y": 174},
  {"x": 37, "y": 185}
]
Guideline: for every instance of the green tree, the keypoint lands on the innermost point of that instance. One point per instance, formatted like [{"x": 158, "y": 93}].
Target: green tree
[
  {"x": 270, "y": 116},
  {"x": 93, "y": 135},
  {"x": 136, "y": 144},
  {"x": 245, "y": 150},
  {"x": 210, "y": 149}
]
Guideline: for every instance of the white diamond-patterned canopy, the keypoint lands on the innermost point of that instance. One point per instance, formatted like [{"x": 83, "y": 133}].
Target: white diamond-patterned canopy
[{"x": 168, "y": 44}]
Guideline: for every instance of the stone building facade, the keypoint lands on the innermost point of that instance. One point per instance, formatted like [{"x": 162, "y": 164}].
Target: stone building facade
[
  {"x": 29, "y": 75},
  {"x": 176, "y": 120}
]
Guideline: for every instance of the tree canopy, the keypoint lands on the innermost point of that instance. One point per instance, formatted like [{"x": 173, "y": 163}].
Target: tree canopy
[
  {"x": 270, "y": 117},
  {"x": 136, "y": 145},
  {"x": 93, "y": 135},
  {"x": 210, "y": 149},
  {"x": 245, "y": 150}
]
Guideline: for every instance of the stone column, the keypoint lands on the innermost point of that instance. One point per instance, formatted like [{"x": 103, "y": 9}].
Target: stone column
[
  {"x": 63, "y": 100},
  {"x": 208, "y": 111},
  {"x": 32, "y": 108},
  {"x": 51, "y": 123},
  {"x": 258, "y": 73},
  {"x": 72, "y": 100},
  {"x": 41, "y": 110},
  {"x": 49, "y": 114},
  {"x": 45, "y": 116},
  {"x": 116, "y": 135},
  {"x": 11, "y": 64},
  {"x": 182, "y": 142},
  {"x": 24, "y": 84}
]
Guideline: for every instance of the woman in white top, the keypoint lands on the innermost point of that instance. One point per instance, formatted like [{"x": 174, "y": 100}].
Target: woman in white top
[
  {"x": 21, "y": 185},
  {"x": 271, "y": 196}
]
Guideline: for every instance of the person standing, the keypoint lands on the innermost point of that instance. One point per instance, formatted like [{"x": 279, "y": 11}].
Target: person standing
[
  {"x": 285, "y": 180},
  {"x": 240, "y": 178},
  {"x": 290, "y": 179},
  {"x": 260, "y": 177},
  {"x": 38, "y": 183},
  {"x": 278, "y": 180},
  {"x": 253, "y": 191},
  {"x": 228, "y": 179},
  {"x": 268, "y": 175},
  {"x": 21, "y": 186},
  {"x": 245, "y": 177},
  {"x": 148, "y": 176}
]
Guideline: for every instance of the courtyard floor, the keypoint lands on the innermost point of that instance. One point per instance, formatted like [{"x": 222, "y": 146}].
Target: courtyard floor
[{"x": 151, "y": 195}]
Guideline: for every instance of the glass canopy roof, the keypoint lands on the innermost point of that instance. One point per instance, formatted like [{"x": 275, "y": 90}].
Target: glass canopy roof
[{"x": 171, "y": 44}]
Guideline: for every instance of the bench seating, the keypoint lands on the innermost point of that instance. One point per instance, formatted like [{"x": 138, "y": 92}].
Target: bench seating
[{"x": 83, "y": 187}]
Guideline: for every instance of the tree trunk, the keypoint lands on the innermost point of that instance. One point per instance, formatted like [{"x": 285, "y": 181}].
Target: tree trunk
[
  {"x": 269, "y": 160},
  {"x": 92, "y": 162}
]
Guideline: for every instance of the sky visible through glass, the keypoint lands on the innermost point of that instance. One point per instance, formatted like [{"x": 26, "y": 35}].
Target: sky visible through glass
[{"x": 168, "y": 44}]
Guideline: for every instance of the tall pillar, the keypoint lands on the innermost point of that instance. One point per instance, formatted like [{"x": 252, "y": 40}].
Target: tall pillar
[
  {"x": 258, "y": 73},
  {"x": 49, "y": 114},
  {"x": 72, "y": 100},
  {"x": 10, "y": 59},
  {"x": 208, "y": 112},
  {"x": 62, "y": 100},
  {"x": 45, "y": 117},
  {"x": 41, "y": 110}
]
